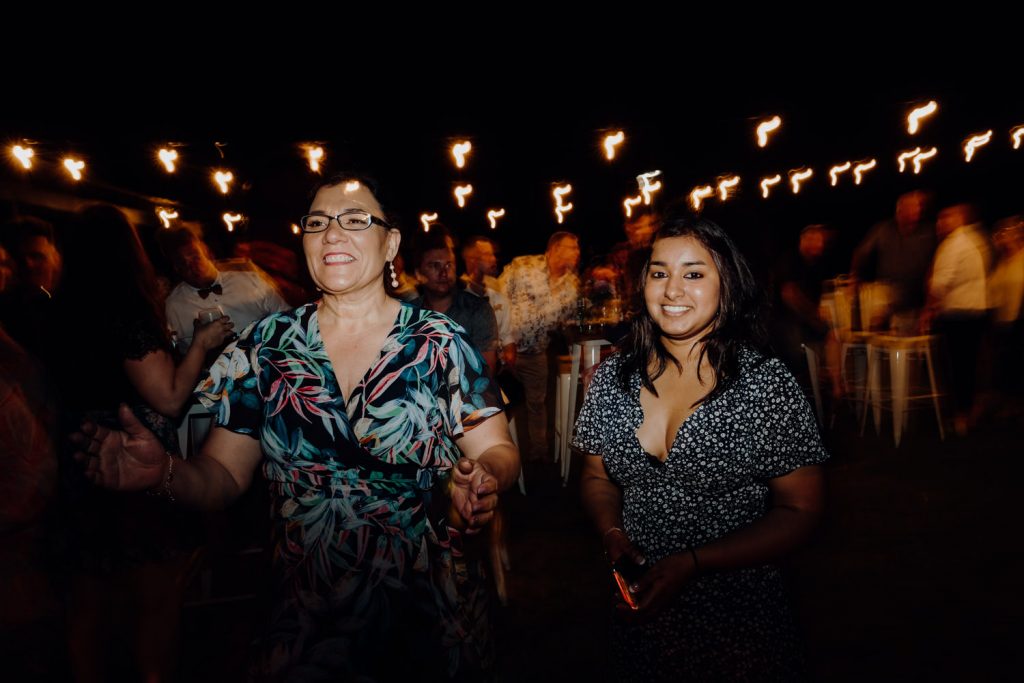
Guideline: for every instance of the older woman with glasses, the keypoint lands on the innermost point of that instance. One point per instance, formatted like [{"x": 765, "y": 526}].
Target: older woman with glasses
[{"x": 360, "y": 409}]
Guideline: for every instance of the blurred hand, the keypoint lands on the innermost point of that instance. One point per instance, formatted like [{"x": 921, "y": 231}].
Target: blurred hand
[
  {"x": 474, "y": 493},
  {"x": 212, "y": 335},
  {"x": 617, "y": 544},
  {"x": 508, "y": 356},
  {"x": 128, "y": 460}
]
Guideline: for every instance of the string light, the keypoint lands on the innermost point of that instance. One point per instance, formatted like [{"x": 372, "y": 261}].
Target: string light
[
  {"x": 766, "y": 127},
  {"x": 915, "y": 116},
  {"x": 612, "y": 141}
]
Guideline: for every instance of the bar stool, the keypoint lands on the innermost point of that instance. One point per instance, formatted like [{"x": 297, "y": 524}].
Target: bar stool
[
  {"x": 812, "y": 371},
  {"x": 900, "y": 350},
  {"x": 589, "y": 352},
  {"x": 840, "y": 308},
  {"x": 562, "y": 405}
]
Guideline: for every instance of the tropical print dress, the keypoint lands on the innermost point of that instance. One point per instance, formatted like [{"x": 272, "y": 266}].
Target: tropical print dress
[{"x": 369, "y": 578}]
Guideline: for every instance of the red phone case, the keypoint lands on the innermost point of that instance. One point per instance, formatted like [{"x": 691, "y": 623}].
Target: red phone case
[{"x": 624, "y": 590}]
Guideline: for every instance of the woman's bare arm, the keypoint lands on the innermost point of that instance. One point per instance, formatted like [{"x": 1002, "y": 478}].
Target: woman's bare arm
[{"x": 166, "y": 387}]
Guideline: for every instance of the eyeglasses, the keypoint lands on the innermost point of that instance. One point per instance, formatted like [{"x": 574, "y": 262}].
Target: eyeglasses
[{"x": 353, "y": 221}]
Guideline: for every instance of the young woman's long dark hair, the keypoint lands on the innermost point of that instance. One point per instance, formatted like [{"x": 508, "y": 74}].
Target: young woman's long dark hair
[
  {"x": 107, "y": 274},
  {"x": 737, "y": 325}
]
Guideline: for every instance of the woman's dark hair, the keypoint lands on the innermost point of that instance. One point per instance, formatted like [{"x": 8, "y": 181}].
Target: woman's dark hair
[
  {"x": 737, "y": 325},
  {"x": 439, "y": 237},
  {"x": 107, "y": 274},
  {"x": 367, "y": 182}
]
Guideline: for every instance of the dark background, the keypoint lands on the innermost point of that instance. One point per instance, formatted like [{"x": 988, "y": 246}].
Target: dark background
[{"x": 526, "y": 136}]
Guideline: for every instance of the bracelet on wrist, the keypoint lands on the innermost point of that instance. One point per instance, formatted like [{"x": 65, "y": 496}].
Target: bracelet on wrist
[{"x": 164, "y": 489}]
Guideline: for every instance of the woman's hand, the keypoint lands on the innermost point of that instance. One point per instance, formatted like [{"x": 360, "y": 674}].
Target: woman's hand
[
  {"x": 659, "y": 586},
  {"x": 617, "y": 545},
  {"x": 474, "y": 493},
  {"x": 213, "y": 335},
  {"x": 129, "y": 460}
]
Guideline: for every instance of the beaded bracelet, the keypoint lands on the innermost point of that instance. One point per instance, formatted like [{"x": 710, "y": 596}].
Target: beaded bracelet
[{"x": 165, "y": 489}]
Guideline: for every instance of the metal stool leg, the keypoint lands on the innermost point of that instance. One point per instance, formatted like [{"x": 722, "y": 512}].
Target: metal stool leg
[
  {"x": 812, "y": 369},
  {"x": 934, "y": 389},
  {"x": 899, "y": 379}
]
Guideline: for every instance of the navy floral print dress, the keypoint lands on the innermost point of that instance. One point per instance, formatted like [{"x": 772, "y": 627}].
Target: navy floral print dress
[
  {"x": 369, "y": 580},
  {"x": 729, "y": 625}
]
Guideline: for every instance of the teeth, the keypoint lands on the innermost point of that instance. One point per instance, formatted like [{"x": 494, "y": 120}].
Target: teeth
[
  {"x": 338, "y": 258},
  {"x": 676, "y": 309}
]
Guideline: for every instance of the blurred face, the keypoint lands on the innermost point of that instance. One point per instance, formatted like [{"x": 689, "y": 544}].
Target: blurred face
[
  {"x": 682, "y": 288},
  {"x": 640, "y": 231},
  {"x": 812, "y": 244},
  {"x": 343, "y": 262},
  {"x": 437, "y": 270},
  {"x": 193, "y": 264},
  {"x": 910, "y": 209},
  {"x": 40, "y": 263},
  {"x": 564, "y": 255},
  {"x": 949, "y": 220},
  {"x": 484, "y": 260}
]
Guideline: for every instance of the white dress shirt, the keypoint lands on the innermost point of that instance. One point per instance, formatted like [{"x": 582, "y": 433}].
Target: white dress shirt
[
  {"x": 959, "y": 271},
  {"x": 246, "y": 296}
]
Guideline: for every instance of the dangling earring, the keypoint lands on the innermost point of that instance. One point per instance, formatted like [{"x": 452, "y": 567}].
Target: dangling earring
[{"x": 394, "y": 275}]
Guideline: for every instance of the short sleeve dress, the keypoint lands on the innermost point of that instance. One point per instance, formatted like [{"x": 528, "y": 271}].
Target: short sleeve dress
[
  {"x": 732, "y": 625},
  {"x": 367, "y": 577}
]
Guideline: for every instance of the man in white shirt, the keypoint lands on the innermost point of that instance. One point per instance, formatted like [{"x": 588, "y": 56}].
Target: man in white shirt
[
  {"x": 236, "y": 288},
  {"x": 542, "y": 292},
  {"x": 958, "y": 302}
]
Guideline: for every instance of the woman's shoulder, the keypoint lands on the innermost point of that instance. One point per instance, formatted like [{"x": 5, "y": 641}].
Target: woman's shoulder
[
  {"x": 612, "y": 363},
  {"x": 608, "y": 372},
  {"x": 761, "y": 370},
  {"x": 279, "y": 322}
]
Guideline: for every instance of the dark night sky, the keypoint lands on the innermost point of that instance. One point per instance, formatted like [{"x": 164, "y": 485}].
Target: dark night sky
[{"x": 531, "y": 134}]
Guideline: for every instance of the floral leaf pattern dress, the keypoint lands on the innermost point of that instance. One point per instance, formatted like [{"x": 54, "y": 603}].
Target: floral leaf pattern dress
[
  {"x": 367, "y": 574},
  {"x": 730, "y": 625}
]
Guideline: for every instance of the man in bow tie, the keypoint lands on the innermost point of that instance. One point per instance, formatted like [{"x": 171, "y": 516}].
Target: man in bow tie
[{"x": 243, "y": 295}]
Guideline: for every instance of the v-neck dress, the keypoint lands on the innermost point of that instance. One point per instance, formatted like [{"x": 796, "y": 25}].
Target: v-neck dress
[
  {"x": 358, "y": 554},
  {"x": 732, "y": 625}
]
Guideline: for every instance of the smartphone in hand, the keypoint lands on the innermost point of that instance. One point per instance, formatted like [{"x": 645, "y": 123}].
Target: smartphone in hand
[{"x": 627, "y": 572}]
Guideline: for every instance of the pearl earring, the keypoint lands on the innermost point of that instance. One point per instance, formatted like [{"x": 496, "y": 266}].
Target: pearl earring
[{"x": 394, "y": 275}]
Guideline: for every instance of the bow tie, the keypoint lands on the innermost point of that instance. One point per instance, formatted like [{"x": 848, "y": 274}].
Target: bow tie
[{"x": 204, "y": 292}]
